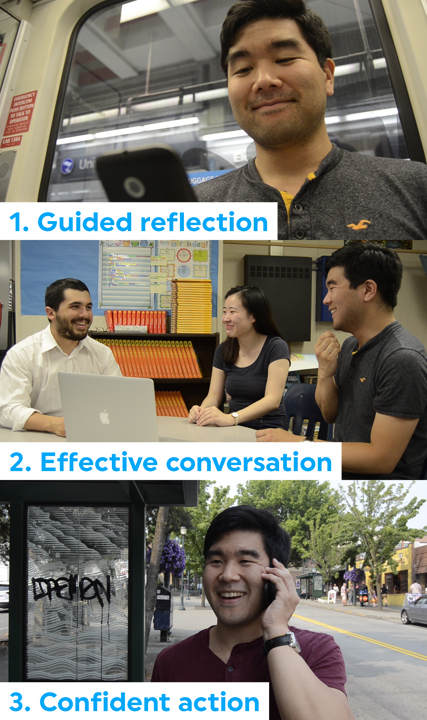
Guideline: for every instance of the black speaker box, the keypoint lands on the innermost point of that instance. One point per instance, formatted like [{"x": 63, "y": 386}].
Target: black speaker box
[{"x": 286, "y": 282}]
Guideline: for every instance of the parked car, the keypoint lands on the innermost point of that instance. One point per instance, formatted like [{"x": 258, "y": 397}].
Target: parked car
[
  {"x": 4, "y": 597},
  {"x": 415, "y": 612}
]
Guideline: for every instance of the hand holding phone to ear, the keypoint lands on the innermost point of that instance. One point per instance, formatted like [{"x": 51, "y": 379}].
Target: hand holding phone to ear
[{"x": 276, "y": 617}]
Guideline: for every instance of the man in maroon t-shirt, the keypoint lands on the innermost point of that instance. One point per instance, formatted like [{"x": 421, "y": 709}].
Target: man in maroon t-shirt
[{"x": 253, "y": 597}]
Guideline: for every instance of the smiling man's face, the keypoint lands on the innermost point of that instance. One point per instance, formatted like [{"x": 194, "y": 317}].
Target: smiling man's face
[
  {"x": 74, "y": 316},
  {"x": 344, "y": 302},
  {"x": 277, "y": 89},
  {"x": 232, "y": 577}
]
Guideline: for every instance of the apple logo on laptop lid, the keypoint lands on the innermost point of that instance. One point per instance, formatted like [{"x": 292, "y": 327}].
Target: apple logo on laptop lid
[{"x": 104, "y": 417}]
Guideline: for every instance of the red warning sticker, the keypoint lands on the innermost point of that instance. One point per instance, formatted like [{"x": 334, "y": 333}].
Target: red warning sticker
[
  {"x": 11, "y": 141},
  {"x": 20, "y": 113}
]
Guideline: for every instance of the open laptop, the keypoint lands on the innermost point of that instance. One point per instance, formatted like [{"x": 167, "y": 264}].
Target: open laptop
[{"x": 105, "y": 408}]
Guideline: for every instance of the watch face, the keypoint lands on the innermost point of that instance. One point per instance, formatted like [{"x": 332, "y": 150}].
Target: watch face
[{"x": 294, "y": 642}]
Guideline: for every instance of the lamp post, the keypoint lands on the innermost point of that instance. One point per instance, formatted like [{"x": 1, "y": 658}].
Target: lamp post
[{"x": 183, "y": 533}]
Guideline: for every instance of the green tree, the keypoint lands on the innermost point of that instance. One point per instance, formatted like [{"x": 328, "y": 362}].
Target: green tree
[
  {"x": 377, "y": 520},
  {"x": 178, "y": 517},
  {"x": 158, "y": 543},
  {"x": 324, "y": 548},
  {"x": 212, "y": 500},
  {"x": 296, "y": 504}
]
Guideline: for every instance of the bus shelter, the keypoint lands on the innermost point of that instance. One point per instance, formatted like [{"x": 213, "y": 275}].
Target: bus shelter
[
  {"x": 77, "y": 576},
  {"x": 311, "y": 585}
]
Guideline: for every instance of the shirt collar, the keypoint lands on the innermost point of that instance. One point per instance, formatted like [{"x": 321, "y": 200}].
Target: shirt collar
[
  {"x": 49, "y": 342},
  {"x": 376, "y": 339},
  {"x": 327, "y": 164}
]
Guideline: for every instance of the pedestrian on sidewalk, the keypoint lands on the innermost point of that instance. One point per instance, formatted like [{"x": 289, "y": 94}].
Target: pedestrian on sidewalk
[
  {"x": 384, "y": 595},
  {"x": 344, "y": 594},
  {"x": 374, "y": 598},
  {"x": 363, "y": 594}
]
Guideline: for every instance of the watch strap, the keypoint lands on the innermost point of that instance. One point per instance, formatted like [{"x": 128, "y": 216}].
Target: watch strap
[{"x": 287, "y": 639}]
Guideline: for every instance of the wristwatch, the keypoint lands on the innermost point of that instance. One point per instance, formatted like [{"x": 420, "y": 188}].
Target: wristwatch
[
  {"x": 307, "y": 439},
  {"x": 288, "y": 639},
  {"x": 236, "y": 417}
]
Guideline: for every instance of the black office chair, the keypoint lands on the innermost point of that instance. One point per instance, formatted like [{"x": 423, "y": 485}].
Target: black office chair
[{"x": 300, "y": 406}]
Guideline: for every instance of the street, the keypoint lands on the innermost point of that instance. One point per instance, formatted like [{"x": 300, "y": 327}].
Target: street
[{"x": 383, "y": 682}]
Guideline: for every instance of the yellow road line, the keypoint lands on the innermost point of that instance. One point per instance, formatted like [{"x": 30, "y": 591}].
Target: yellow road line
[{"x": 366, "y": 639}]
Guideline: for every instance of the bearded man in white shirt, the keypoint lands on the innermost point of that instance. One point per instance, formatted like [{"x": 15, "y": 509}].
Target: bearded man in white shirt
[{"x": 29, "y": 390}]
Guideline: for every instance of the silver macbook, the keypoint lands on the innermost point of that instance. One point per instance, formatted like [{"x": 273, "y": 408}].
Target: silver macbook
[{"x": 105, "y": 408}]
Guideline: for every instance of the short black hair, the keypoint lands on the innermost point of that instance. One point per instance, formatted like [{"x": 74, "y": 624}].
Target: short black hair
[
  {"x": 243, "y": 12},
  {"x": 367, "y": 261},
  {"x": 54, "y": 294},
  {"x": 277, "y": 542}
]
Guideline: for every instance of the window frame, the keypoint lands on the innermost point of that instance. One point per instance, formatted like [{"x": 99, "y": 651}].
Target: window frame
[{"x": 397, "y": 80}]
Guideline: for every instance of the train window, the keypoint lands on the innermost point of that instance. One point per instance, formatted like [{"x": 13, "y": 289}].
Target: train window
[
  {"x": 148, "y": 71},
  {"x": 8, "y": 30}
]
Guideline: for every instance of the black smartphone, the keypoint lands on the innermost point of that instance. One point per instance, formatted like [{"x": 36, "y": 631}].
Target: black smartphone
[
  {"x": 269, "y": 591},
  {"x": 153, "y": 173}
]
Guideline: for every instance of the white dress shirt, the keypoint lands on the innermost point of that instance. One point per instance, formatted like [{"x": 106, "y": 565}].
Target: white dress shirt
[{"x": 29, "y": 375}]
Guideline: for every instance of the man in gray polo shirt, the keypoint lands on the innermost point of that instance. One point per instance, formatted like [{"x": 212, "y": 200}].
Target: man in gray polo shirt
[
  {"x": 374, "y": 387},
  {"x": 276, "y": 55}
]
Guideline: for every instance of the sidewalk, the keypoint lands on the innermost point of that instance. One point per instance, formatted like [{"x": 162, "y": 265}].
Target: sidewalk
[
  {"x": 387, "y": 613},
  {"x": 185, "y": 623},
  {"x": 4, "y": 654}
]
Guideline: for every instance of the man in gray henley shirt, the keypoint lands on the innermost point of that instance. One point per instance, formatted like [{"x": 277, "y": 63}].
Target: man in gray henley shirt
[
  {"x": 374, "y": 387},
  {"x": 276, "y": 55}
]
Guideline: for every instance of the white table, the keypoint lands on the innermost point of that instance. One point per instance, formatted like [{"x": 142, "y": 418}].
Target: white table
[{"x": 171, "y": 429}]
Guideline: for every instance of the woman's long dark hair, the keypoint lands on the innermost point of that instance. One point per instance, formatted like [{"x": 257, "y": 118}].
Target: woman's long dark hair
[{"x": 255, "y": 302}]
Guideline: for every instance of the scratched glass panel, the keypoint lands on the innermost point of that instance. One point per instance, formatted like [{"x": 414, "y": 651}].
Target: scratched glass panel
[{"x": 77, "y": 613}]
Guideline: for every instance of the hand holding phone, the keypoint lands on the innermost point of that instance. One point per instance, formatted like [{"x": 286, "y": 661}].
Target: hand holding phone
[
  {"x": 153, "y": 173},
  {"x": 281, "y": 589},
  {"x": 269, "y": 590}
]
